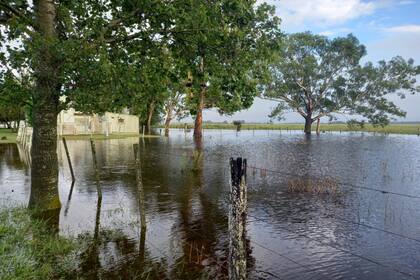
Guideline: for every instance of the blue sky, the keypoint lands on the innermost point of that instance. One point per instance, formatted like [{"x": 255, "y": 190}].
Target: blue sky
[{"x": 387, "y": 28}]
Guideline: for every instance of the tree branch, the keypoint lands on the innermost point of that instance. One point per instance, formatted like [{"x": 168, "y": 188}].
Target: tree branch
[{"x": 286, "y": 99}]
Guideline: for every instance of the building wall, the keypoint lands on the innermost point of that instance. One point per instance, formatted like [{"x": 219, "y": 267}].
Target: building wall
[{"x": 71, "y": 122}]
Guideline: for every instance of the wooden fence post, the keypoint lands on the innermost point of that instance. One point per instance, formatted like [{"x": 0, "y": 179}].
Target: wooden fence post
[
  {"x": 66, "y": 210},
  {"x": 237, "y": 220},
  {"x": 98, "y": 189},
  {"x": 95, "y": 165},
  {"x": 140, "y": 189},
  {"x": 69, "y": 160}
]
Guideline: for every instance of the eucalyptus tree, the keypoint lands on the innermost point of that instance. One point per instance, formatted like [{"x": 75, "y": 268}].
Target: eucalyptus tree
[
  {"x": 320, "y": 77},
  {"x": 223, "y": 52},
  {"x": 71, "y": 51},
  {"x": 174, "y": 107}
]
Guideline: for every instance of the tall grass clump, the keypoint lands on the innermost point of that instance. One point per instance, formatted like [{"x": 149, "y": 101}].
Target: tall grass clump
[{"x": 325, "y": 185}]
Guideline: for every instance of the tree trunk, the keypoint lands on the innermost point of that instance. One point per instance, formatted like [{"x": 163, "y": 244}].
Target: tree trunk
[
  {"x": 318, "y": 122},
  {"x": 150, "y": 116},
  {"x": 168, "y": 118},
  {"x": 44, "y": 170},
  {"x": 16, "y": 126},
  {"x": 198, "y": 125},
  {"x": 308, "y": 124},
  {"x": 167, "y": 123}
]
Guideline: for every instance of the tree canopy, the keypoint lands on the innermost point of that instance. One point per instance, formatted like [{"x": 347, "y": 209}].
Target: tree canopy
[
  {"x": 98, "y": 56},
  {"x": 320, "y": 77},
  {"x": 223, "y": 53}
]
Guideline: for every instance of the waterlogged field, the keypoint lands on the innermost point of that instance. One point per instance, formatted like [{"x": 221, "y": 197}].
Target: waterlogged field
[
  {"x": 394, "y": 128},
  {"x": 337, "y": 206}
]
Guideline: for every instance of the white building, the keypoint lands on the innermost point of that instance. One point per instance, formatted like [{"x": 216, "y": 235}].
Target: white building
[{"x": 70, "y": 122}]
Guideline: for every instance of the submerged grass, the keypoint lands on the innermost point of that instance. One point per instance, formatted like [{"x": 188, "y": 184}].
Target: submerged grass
[
  {"x": 325, "y": 185},
  {"x": 394, "y": 128},
  {"x": 7, "y": 136},
  {"x": 29, "y": 251}
]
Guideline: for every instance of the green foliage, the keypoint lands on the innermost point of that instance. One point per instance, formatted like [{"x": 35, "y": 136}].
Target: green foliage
[
  {"x": 355, "y": 124},
  {"x": 224, "y": 52},
  {"x": 14, "y": 98},
  {"x": 318, "y": 77},
  {"x": 115, "y": 54},
  {"x": 90, "y": 53}
]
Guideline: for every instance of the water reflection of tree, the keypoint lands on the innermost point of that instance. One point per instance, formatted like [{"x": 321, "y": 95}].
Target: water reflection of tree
[
  {"x": 91, "y": 255},
  {"x": 197, "y": 235},
  {"x": 203, "y": 251},
  {"x": 203, "y": 235},
  {"x": 10, "y": 155}
]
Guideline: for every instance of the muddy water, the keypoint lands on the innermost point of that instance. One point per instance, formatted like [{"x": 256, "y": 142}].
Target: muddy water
[{"x": 368, "y": 228}]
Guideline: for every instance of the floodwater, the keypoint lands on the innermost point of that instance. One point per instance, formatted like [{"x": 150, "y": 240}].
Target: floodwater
[{"x": 368, "y": 228}]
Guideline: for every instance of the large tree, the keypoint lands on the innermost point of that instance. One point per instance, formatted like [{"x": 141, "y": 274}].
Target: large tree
[
  {"x": 223, "y": 52},
  {"x": 320, "y": 77},
  {"x": 72, "y": 50}
]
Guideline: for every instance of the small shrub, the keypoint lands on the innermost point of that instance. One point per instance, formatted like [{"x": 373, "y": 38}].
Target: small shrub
[
  {"x": 355, "y": 124},
  {"x": 238, "y": 125}
]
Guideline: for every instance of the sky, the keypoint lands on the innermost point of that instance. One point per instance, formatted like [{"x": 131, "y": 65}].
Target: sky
[{"x": 386, "y": 27}]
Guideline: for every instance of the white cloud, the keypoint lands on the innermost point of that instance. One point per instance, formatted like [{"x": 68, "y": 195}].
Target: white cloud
[
  {"x": 326, "y": 33},
  {"x": 404, "y": 29},
  {"x": 321, "y": 12},
  {"x": 406, "y": 2},
  {"x": 336, "y": 31}
]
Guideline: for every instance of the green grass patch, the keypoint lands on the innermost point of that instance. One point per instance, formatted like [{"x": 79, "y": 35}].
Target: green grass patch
[
  {"x": 7, "y": 136},
  {"x": 395, "y": 128},
  {"x": 29, "y": 251}
]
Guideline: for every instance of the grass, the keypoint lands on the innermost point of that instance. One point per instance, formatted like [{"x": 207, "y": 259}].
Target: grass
[
  {"x": 29, "y": 251},
  {"x": 394, "y": 128},
  {"x": 317, "y": 186},
  {"x": 7, "y": 136}
]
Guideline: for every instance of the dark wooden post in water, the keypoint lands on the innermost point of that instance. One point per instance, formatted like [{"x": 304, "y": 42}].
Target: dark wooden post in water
[
  {"x": 98, "y": 189},
  {"x": 69, "y": 160},
  {"x": 140, "y": 190},
  {"x": 237, "y": 220},
  {"x": 95, "y": 165},
  {"x": 66, "y": 210}
]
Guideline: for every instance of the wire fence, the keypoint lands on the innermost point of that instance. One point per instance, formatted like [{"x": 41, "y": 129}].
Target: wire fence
[{"x": 308, "y": 269}]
